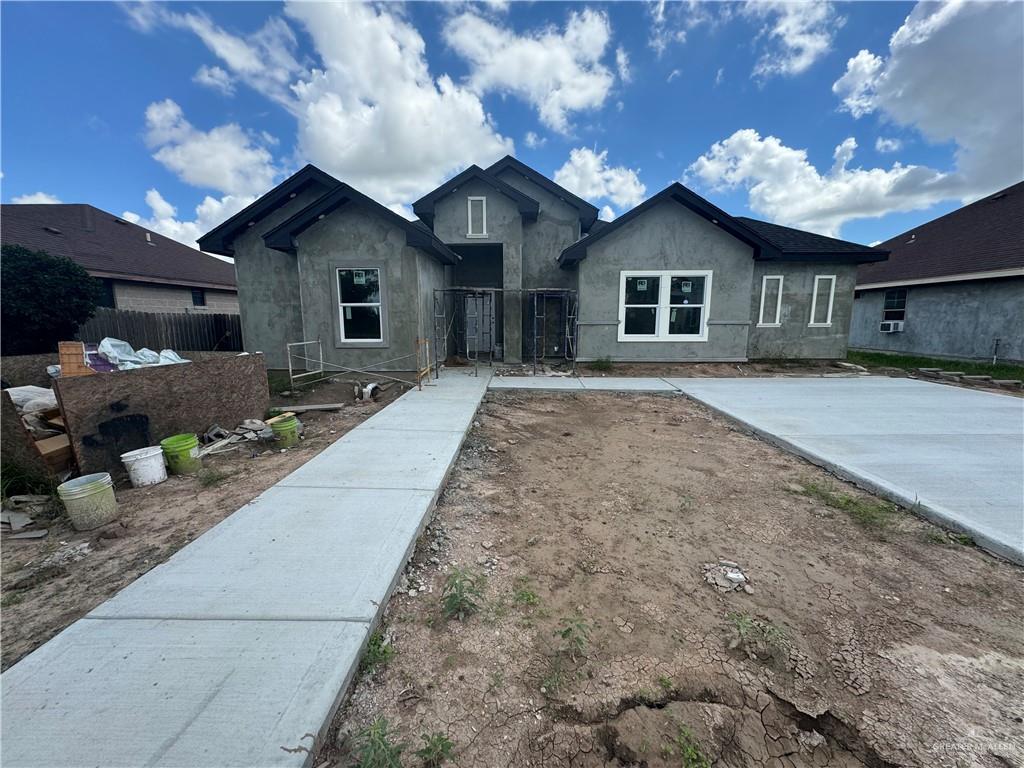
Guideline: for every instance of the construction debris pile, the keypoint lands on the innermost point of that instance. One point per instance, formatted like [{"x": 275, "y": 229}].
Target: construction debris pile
[{"x": 41, "y": 418}]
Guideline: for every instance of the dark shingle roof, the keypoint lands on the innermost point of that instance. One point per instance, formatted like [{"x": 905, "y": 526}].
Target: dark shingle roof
[
  {"x": 985, "y": 236},
  {"x": 424, "y": 207},
  {"x": 792, "y": 241},
  {"x": 588, "y": 211},
  {"x": 108, "y": 246}
]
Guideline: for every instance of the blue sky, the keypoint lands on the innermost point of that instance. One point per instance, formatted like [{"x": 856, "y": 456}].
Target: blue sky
[{"x": 858, "y": 120}]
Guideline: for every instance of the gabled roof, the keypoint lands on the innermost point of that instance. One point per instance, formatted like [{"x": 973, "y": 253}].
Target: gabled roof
[
  {"x": 424, "y": 207},
  {"x": 977, "y": 240},
  {"x": 588, "y": 211},
  {"x": 109, "y": 246},
  {"x": 220, "y": 239},
  {"x": 800, "y": 245},
  {"x": 769, "y": 241},
  {"x": 418, "y": 235}
]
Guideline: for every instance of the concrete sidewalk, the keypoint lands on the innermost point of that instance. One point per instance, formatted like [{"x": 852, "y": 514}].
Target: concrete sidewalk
[
  {"x": 236, "y": 651},
  {"x": 583, "y": 383}
]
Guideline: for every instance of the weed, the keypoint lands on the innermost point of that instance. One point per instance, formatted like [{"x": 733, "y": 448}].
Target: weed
[
  {"x": 601, "y": 364},
  {"x": 554, "y": 678},
  {"x": 666, "y": 683},
  {"x": 378, "y": 653},
  {"x": 11, "y": 598},
  {"x": 209, "y": 477},
  {"x": 497, "y": 681},
  {"x": 934, "y": 536},
  {"x": 575, "y": 636},
  {"x": 523, "y": 595},
  {"x": 761, "y": 639},
  {"x": 437, "y": 749},
  {"x": 461, "y": 595},
  {"x": 378, "y": 747},
  {"x": 686, "y": 748},
  {"x": 970, "y": 367},
  {"x": 964, "y": 539},
  {"x": 867, "y": 512}
]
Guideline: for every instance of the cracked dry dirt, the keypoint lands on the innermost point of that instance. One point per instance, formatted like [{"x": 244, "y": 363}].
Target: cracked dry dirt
[{"x": 899, "y": 646}]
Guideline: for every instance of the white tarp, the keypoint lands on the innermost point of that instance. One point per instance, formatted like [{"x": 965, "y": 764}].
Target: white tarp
[
  {"x": 29, "y": 399},
  {"x": 121, "y": 354}
]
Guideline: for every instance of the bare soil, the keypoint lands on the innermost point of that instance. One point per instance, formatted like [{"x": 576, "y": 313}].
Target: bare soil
[
  {"x": 154, "y": 523},
  {"x": 868, "y": 637}
]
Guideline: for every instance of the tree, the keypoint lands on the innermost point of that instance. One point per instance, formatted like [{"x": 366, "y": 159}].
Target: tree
[{"x": 43, "y": 300}]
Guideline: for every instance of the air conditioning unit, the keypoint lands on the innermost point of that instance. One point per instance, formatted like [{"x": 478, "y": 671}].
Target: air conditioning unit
[{"x": 891, "y": 326}]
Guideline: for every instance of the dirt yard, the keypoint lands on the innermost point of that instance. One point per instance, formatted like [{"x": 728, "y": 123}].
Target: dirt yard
[
  {"x": 155, "y": 523},
  {"x": 609, "y": 633}
]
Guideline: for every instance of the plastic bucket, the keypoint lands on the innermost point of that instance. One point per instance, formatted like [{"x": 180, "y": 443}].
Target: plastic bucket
[
  {"x": 286, "y": 431},
  {"x": 145, "y": 466},
  {"x": 182, "y": 452},
  {"x": 89, "y": 500}
]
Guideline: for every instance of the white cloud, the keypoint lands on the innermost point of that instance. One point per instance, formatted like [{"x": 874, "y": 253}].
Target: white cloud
[
  {"x": 587, "y": 174},
  {"x": 886, "y": 146},
  {"x": 673, "y": 75},
  {"x": 559, "y": 73},
  {"x": 719, "y": 76},
  {"x": 208, "y": 214},
  {"x": 533, "y": 141},
  {"x": 622, "y": 64},
  {"x": 36, "y": 198},
  {"x": 798, "y": 34},
  {"x": 215, "y": 78},
  {"x": 786, "y": 188},
  {"x": 671, "y": 22},
  {"x": 607, "y": 213},
  {"x": 224, "y": 158},
  {"x": 954, "y": 72}
]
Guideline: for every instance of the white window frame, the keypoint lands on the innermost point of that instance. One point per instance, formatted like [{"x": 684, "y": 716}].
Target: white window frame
[
  {"x": 664, "y": 305},
  {"x": 814, "y": 301},
  {"x": 778, "y": 302},
  {"x": 342, "y": 304},
  {"x": 469, "y": 216}
]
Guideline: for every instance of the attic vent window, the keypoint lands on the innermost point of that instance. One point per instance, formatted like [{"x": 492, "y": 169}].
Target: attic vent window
[
  {"x": 477, "y": 216},
  {"x": 121, "y": 221},
  {"x": 149, "y": 239},
  {"x": 53, "y": 230}
]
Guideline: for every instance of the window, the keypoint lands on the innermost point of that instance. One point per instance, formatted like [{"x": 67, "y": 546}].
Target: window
[
  {"x": 198, "y": 297},
  {"x": 771, "y": 302},
  {"x": 359, "y": 304},
  {"x": 476, "y": 212},
  {"x": 106, "y": 298},
  {"x": 821, "y": 301},
  {"x": 894, "y": 306},
  {"x": 664, "y": 305}
]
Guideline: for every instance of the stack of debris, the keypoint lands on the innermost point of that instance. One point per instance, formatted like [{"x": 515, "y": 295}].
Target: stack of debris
[
  {"x": 219, "y": 440},
  {"x": 41, "y": 418},
  {"x": 23, "y": 516}
]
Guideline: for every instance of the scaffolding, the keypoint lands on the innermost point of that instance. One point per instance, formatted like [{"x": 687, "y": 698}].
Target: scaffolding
[
  {"x": 464, "y": 325},
  {"x": 553, "y": 315}
]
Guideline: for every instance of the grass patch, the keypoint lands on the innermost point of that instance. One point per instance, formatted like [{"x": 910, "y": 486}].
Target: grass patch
[
  {"x": 378, "y": 746},
  {"x": 868, "y": 512},
  {"x": 758, "y": 637},
  {"x": 523, "y": 595},
  {"x": 378, "y": 653},
  {"x": 437, "y": 749},
  {"x": 462, "y": 594},
  {"x": 602, "y": 364},
  {"x": 11, "y": 598},
  {"x": 685, "y": 749},
  {"x": 209, "y": 477},
  {"x": 909, "y": 362}
]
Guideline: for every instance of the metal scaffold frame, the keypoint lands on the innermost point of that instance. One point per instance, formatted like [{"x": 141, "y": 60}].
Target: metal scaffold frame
[
  {"x": 567, "y": 319},
  {"x": 465, "y": 329}
]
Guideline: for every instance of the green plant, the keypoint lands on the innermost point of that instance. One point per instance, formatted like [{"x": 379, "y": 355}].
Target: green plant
[
  {"x": 687, "y": 749},
  {"x": 758, "y": 637},
  {"x": 523, "y": 595},
  {"x": 378, "y": 746},
  {"x": 461, "y": 595},
  {"x": 962, "y": 538},
  {"x": 554, "y": 677},
  {"x": 867, "y": 512},
  {"x": 45, "y": 299},
  {"x": 11, "y": 598},
  {"x": 210, "y": 476},
  {"x": 601, "y": 364},
  {"x": 1002, "y": 370},
  {"x": 437, "y": 749},
  {"x": 575, "y": 636},
  {"x": 378, "y": 653},
  {"x": 666, "y": 683}
]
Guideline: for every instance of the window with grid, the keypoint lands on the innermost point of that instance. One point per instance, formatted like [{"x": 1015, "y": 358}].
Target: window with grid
[
  {"x": 360, "y": 304},
  {"x": 664, "y": 305},
  {"x": 894, "y": 306}
]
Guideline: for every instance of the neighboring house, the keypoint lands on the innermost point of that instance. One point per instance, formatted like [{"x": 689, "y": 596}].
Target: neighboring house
[
  {"x": 953, "y": 287},
  {"x": 139, "y": 269},
  {"x": 499, "y": 252}
]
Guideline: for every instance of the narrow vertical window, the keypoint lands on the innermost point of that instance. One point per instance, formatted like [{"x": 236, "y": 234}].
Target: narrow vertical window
[
  {"x": 894, "y": 306},
  {"x": 198, "y": 297},
  {"x": 771, "y": 301},
  {"x": 821, "y": 302},
  {"x": 359, "y": 304},
  {"x": 642, "y": 294},
  {"x": 476, "y": 211}
]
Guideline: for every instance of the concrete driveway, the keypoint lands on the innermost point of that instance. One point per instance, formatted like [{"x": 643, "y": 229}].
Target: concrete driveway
[{"x": 956, "y": 453}]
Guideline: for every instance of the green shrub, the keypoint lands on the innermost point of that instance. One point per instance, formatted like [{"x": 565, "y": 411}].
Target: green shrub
[
  {"x": 575, "y": 636},
  {"x": 377, "y": 746},
  {"x": 378, "y": 653},
  {"x": 437, "y": 749},
  {"x": 461, "y": 596}
]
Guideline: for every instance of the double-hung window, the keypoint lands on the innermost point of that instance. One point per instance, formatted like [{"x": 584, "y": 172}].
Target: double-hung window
[
  {"x": 360, "y": 304},
  {"x": 771, "y": 302},
  {"x": 821, "y": 301},
  {"x": 476, "y": 217},
  {"x": 894, "y": 306},
  {"x": 664, "y": 305}
]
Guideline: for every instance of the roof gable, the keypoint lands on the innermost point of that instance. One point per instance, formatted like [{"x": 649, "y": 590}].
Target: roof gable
[
  {"x": 588, "y": 211},
  {"x": 282, "y": 237},
  {"x": 220, "y": 240},
  {"x": 424, "y": 207},
  {"x": 110, "y": 246},
  {"x": 800, "y": 245}
]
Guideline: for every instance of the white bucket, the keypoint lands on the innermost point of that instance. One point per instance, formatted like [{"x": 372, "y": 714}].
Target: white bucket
[
  {"x": 89, "y": 500},
  {"x": 145, "y": 466}
]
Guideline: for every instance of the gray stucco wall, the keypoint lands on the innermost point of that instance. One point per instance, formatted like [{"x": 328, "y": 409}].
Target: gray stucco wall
[
  {"x": 431, "y": 275},
  {"x": 505, "y": 226},
  {"x": 668, "y": 236},
  {"x": 356, "y": 238},
  {"x": 794, "y": 338},
  {"x": 268, "y": 288},
  {"x": 948, "y": 320}
]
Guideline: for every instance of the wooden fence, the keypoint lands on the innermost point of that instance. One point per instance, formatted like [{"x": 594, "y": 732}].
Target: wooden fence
[{"x": 178, "y": 331}]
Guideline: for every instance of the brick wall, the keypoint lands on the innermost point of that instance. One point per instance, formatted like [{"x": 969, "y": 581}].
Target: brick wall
[{"x": 148, "y": 297}]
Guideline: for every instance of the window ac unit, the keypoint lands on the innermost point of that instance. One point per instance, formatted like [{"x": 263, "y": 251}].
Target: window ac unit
[
  {"x": 885, "y": 327},
  {"x": 891, "y": 326}
]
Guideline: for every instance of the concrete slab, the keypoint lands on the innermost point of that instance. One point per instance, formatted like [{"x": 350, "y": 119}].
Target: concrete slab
[
  {"x": 626, "y": 384},
  {"x": 293, "y": 553},
  {"x": 444, "y": 414},
  {"x": 194, "y": 694},
  {"x": 536, "y": 382},
  {"x": 956, "y": 453}
]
